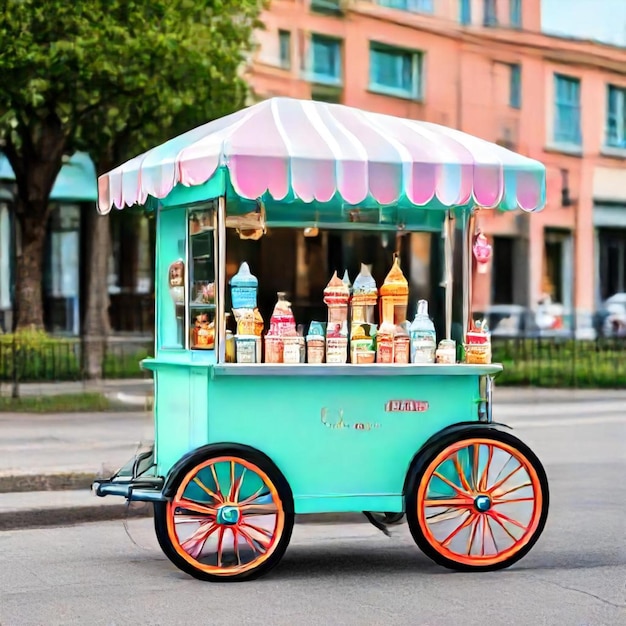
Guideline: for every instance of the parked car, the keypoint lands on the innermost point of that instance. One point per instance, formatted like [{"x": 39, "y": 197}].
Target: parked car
[
  {"x": 611, "y": 316},
  {"x": 549, "y": 321}
]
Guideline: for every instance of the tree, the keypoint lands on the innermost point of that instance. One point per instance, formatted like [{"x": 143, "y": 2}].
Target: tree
[{"x": 112, "y": 77}]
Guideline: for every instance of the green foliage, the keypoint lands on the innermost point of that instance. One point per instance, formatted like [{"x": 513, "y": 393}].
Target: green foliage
[
  {"x": 67, "y": 403},
  {"x": 566, "y": 364},
  {"x": 106, "y": 69},
  {"x": 38, "y": 357}
]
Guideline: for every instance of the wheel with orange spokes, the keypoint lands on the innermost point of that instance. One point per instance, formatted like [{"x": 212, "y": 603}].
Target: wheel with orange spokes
[
  {"x": 478, "y": 501},
  {"x": 231, "y": 518}
]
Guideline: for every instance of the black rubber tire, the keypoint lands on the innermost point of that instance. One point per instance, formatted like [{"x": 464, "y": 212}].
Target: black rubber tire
[
  {"x": 284, "y": 493},
  {"x": 416, "y": 474}
]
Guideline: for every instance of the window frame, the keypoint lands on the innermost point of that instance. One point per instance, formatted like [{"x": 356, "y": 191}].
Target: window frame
[
  {"x": 417, "y": 72},
  {"x": 573, "y": 138},
  {"x": 515, "y": 86},
  {"x": 490, "y": 13},
  {"x": 326, "y": 79},
  {"x": 284, "y": 36},
  {"x": 515, "y": 14},
  {"x": 619, "y": 142},
  {"x": 465, "y": 12},
  {"x": 411, "y": 6}
]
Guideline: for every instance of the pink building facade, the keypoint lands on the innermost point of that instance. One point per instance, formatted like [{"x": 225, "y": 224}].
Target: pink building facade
[{"x": 483, "y": 66}]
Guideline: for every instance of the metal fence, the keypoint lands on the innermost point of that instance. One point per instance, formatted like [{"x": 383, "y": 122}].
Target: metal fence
[
  {"x": 546, "y": 362},
  {"x": 56, "y": 359},
  {"x": 551, "y": 362}
]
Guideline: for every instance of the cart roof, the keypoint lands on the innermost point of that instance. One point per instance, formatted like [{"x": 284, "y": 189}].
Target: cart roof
[{"x": 301, "y": 152}]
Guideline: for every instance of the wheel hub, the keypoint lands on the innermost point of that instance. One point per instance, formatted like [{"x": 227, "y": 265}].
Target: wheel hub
[
  {"x": 227, "y": 515},
  {"x": 482, "y": 503}
]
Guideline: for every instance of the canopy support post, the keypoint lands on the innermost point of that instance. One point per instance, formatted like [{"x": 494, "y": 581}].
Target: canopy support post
[
  {"x": 448, "y": 254},
  {"x": 221, "y": 279},
  {"x": 469, "y": 224}
]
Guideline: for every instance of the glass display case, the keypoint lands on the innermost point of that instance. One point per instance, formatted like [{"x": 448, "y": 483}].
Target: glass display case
[{"x": 201, "y": 278}]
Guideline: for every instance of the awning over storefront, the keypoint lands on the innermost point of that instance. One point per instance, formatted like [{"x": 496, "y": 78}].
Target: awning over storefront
[{"x": 76, "y": 181}]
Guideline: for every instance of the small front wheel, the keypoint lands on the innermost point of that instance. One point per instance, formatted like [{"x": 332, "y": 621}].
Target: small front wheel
[
  {"x": 478, "y": 501},
  {"x": 230, "y": 519}
]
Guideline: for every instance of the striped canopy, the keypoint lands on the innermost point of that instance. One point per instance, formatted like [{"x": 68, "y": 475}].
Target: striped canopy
[{"x": 318, "y": 152}]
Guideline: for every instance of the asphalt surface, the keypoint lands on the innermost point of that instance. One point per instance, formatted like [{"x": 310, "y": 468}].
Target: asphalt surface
[{"x": 338, "y": 574}]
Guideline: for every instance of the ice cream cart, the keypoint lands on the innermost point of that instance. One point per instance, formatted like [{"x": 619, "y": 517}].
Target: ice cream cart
[{"x": 374, "y": 408}]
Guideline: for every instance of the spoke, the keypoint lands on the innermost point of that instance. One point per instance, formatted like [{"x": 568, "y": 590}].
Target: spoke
[
  {"x": 236, "y": 544},
  {"x": 220, "y": 542},
  {"x": 232, "y": 480},
  {"x": 501, "y": 524},
  {"x": 503, "y": 480},
  {"x": 461, "y": 473},
  {"x": 215, "y": 496},
  {"x": 217, "y": 483},
  {"x": 234, "y": 497},
  {"x": 268, "y": 533},
  {"x": 258, "y": 509},
  {"x": 472, "y": 535},
  {"x": 264, "y": 541},
  {"x": 195, "y": 543},
  {"x": 501, "y": 516},
  {"x": 487, "y": 525},
  {"x": 476, "y": 465},
  {"x": 446, "y": 515},
  {"x": 255, "y": 495},
  {"x": 450, "y": 484},
  {"x": 457, "y": 530},
  {"x": 462, "y": 502},
  {"x": 482, "y": 483},
  {"x": 195, "y": 507},
  {"x": 512, "y": 501},
  {"x": 513, "y": 489},
  {"x": 250, "y": 542}
]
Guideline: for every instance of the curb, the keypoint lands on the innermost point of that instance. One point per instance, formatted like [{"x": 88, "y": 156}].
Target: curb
[
  {"x": 69, "y": 516},
  {"x": 46, "y": 482},
  {"x": 30, "y": 518}
]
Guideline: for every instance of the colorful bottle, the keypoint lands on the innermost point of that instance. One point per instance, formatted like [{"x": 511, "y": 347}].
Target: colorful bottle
[
  {"x": 243, "y": 288},
  {"x": 423, "y": 336},
  {"x": 282, "y": 321},
  {"x": 394, "y": 296}
]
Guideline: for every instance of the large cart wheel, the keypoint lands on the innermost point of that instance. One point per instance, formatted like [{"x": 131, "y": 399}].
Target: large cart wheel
[
  {"x": 230, "y": 519},
  {"x": 478, "y": 501}
]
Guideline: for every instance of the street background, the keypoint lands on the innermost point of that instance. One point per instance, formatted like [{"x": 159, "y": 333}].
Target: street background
[{"x": 342, "y": 572}]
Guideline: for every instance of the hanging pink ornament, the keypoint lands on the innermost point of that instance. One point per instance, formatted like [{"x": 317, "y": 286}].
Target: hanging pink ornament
[{"x": 482, "y": 249}]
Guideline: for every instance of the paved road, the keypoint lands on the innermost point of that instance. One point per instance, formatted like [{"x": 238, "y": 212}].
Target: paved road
[{"x": 351, "y": 574}]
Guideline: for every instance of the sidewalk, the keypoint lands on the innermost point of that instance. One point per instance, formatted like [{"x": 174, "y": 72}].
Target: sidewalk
[{"x": 136, "y": 391}]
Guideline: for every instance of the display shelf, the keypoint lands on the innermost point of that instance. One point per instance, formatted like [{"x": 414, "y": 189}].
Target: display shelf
[{"x": 350, "y": 369}]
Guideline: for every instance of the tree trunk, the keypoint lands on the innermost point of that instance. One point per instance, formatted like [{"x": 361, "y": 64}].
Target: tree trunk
[
  {"x": 97, "y": 323},
  {"x": 29, "y": 270}
]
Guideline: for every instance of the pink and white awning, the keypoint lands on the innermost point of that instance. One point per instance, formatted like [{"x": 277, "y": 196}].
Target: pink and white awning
[{"x": 316, "y": 151}]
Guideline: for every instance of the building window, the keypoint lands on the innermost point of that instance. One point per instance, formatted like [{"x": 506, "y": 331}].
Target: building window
[
  {"x": 490, "y": 17},
  {"x": 322, "y": 93},
  {"x": 567, "y": 110},
  {"x": 326, "y": 6},
  {"x": 515, "y": 88},
  {"x": 465, "y": 10},
  {"x": 616, "y": 117},
  {"x": 284, "y": 41},
  {"x": 416, "y": 6},
  {"x": 395, "y": 71},
  {"x": 515, "y": 13},
  {"x": 326, "y": 61}
]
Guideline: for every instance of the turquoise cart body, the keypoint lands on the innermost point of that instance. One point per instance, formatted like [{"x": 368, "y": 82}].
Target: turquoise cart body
[{"x": 242, "y": 448}]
